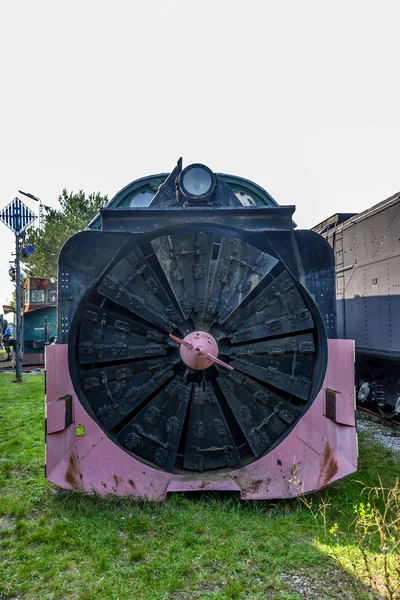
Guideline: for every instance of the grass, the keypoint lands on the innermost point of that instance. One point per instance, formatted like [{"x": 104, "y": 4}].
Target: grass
[{"x": 56, "y": 544}]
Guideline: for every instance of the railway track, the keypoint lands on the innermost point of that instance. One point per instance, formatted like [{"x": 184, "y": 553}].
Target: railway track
[
  {"x": 370, "y": 413},
  {"x": 9, "y": 368}
]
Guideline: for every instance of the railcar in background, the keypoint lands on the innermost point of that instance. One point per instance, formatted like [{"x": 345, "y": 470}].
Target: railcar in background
[
  {"x": 39, "y": 318},
  {"x": 366, "y": 247},
  {"x": 197, "y": 347}
]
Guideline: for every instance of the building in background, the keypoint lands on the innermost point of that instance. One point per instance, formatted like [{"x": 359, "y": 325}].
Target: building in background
[{"x": 39, "y": 319}]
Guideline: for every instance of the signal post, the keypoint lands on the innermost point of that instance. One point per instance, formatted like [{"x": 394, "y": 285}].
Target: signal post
[{"x": 17, "y": 217}]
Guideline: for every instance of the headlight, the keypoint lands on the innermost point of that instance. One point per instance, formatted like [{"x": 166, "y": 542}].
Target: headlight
[{"x": 197, "y": 182}]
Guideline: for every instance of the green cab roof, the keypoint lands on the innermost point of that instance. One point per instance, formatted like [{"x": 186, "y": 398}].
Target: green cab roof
[{"x": 249, "y": 193}]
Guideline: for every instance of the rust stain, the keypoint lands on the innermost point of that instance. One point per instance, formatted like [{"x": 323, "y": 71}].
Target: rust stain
[
  {"x": 255, "y": 485},
  {"x": 329, "y": 466},
  {"x": 118, "y": 480},
  {"x": 333, "y": 468},
  {"x": 327, "y": 452},
  {"x": 294, "y": 477},
  {"x": 72, "y": 474},
  {"x": 204, "y": 484},
  {"x": 131, "y": 483}
]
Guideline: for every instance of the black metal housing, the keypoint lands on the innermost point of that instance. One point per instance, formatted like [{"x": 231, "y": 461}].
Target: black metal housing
[{"x": 263, "y": 290}]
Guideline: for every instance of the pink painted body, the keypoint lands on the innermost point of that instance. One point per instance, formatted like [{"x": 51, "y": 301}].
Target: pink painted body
[
  {"x": 33, "y": 359},
  {"x": 316, "y": 452},
  {"x": 30, "y": 360}
]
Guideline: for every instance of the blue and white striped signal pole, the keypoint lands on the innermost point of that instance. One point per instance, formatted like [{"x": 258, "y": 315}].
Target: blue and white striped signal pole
[{"x": 17, "y": 217}]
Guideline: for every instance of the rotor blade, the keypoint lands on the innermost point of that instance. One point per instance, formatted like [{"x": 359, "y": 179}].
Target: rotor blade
[
  {"x": 185, "y": 260},
  {"x": 278, "y": 309},
  {"x": 154, "y": 433},
  {"x": 112, "y": 414},
  {"x": 105, "y": 336},
  {"x": 261, "y": 414},
  {"x": 239, "y": 269},
  {"x": 108, "y": 385},
  {"x": 285, "y": 363},
  {"x": 209, "y": 444},
  {"x": 133, "y": 284}
]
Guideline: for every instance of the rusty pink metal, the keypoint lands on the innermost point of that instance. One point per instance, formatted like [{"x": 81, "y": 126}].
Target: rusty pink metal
[
  {"x": 321, "y": 448},
  {"x": 199, "y": 350}
]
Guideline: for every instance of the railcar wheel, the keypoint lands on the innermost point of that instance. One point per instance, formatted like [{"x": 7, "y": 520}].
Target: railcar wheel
[
  {"x": 387, "y": 415},
  {"x": 129, "y": 373}
]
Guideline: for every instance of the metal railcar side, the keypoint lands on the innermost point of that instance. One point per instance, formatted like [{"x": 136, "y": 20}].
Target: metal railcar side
[{"x": 367, "y": 262}]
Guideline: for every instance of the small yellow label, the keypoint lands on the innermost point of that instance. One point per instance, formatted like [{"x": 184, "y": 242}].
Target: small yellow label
[{"x": 80, "y": 430}]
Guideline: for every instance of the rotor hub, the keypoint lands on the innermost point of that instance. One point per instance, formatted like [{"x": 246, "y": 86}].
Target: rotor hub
[{"x": 199, "y": 345}]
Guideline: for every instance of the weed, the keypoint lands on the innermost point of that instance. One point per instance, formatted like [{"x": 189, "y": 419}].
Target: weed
[
  {"x": 370, "y": 545},
  {"x": 136, "y": 555},
  {"x": 234, "y": 590},
  {"x": 21, "y": 528},
  {"x": 102, "y": 564}
]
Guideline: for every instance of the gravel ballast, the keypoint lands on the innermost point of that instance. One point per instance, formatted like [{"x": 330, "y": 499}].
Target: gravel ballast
[{"x": 380, "y": 432}]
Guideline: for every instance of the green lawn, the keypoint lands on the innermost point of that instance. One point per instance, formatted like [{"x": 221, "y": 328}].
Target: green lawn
[{"x": 56, "y": 544}]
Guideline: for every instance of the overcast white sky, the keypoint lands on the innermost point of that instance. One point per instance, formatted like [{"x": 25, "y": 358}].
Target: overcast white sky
[{"x": 301, "y": 97}]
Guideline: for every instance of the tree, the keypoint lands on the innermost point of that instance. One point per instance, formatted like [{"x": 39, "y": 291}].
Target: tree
[{"x": 76, "y": 212}]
